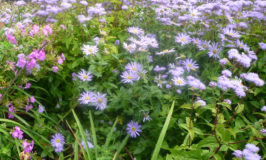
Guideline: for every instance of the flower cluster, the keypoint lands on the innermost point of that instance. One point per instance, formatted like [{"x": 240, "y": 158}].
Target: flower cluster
[
  {"x": 98, "y": 100},
  {"x": 249, "y": 152},
  {"x": 58, "y": 142},
  {"x": 17, "y": 133},
  {"x": 132, "y": 72}
]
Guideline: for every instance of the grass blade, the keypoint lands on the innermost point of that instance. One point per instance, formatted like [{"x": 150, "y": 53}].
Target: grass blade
[
  {"x": 162, "y": 134},
  {"x": 76, "y": 150},
  {"x": 88, "y": 156},
  {"x": 108, "y": 139},
  {"x": 93, "y": 135},
  {"x": 122, "y": 145}
]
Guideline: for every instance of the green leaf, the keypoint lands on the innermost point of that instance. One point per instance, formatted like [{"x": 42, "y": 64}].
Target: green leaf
[
  {"x": 162, "y": 134},
  {"x": 93, "y": 135},
  {"x": 239, "y": 108},
  {"x": 88, "y": 156}
]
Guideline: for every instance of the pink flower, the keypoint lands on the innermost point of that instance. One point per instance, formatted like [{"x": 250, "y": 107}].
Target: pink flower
[
  {"x": 31, "y": 64},
  {"x": 47, "y": 30},
  {"x": 27, "y": 146},
  {"x": 11, "y": 38},
  {"x": 34, "y": 30},
  {"x": 63, "y": 27},
  {"x": 55, "y": 69},
  {"x": 11, "y": 109},
  {"x": 32, "y": 99},
  {"x": 21, "y": 61},
  {"x": 17, "y": 133},
  {"x": 28, "y": 85},
  {"x": 63, "y": 56},
  {"x": 60, "y": 60},
  {"x": 41, "y": 55},
  {"x": 28, "y": 107}
]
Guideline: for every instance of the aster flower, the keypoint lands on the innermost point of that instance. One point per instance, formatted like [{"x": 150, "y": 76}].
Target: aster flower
[
  {"x": 214, "y": 50},
  {"x": 183, "y": 39},
  {"x": 133, "y": 128},
  {"x": 129, "y": 77},
  {"x": 189, "y": 64},
  {"x": 159, "y": 69},
  {"x": 134, "y": 67},
  {"x": 166, "y": 51},
  {"x": 179, "y": 81},
  {"x": 203, "y": 45},
  {"x": 58, "y": 142},
  {"x": 146, "y": 117},
  {"x": 89, "y": 50},
  {"x": 230, "y": 32},
  {"x": 100, "y": 101},
  {"x": 17, "y": 133},
  {"x": 135, "y": 30},
  {"x": 87, "y": 97},
  {"x": 176, "y": 71},
  {"x": 85, "y": 76},
  {"x": 196, "y": 41},
  {"x": 159, "y": 80},
  {"x": 90, "y": 145},
  {"x": 131, "y": 48}
]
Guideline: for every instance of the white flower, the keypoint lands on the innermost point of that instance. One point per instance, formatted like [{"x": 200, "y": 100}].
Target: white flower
[{"x": 88, "y": 49}]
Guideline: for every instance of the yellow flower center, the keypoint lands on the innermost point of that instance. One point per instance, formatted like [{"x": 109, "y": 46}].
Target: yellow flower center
[
  {"x": 129, "y": 77},
  {"x": 231, "y": 34},
  {"x": 164, "y": 51},
  {"x": 189, "y": 65},
  {"x": 57, "y": 140},
  {"x": 179, "y": 81},
  {"x": 100, "y": 100},
  {"x": 134, "y": 68},
  {"x": 182, "y": 40},
  {"x": 87, "y": 98},
  {"x": 241, "y": 46},
  {"x": 215, "y": 51},
  {"x": 90, "y": 49},
  {"x": 85, "y": 76},
  {"x": 133, "y": 129}
]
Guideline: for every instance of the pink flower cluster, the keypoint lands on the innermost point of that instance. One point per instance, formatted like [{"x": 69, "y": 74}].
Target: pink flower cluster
[
  {"x": 60, "y": 61},
  {"x": 30, "y": 61},
  {"x": 17, "y": 133}
]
